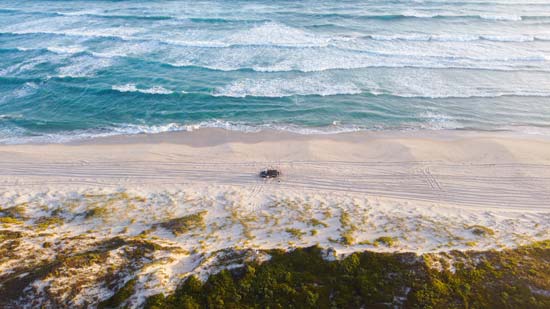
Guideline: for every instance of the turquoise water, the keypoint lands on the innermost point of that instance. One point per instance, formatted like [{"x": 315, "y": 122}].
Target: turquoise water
[{"x": 79, "y": 69}]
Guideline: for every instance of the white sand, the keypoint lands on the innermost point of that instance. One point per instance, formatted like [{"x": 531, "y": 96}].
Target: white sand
[
  {"x": 427, "y": 190},
  {"x": 463, "y": 169}
]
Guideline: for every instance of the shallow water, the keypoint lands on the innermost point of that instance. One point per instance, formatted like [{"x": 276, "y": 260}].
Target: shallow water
[{"x": 79, "y": 69}]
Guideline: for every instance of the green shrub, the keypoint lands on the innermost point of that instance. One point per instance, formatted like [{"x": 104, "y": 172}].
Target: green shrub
[
  {"x": 96, "y": 212},
  {"x": 302, "y": 279},
  {"x": 480, "y": 230},
  {"x": 10, "y": 220},
  {"x": 296, "y": 233},
  {"x": 9, "y": 235},
  {"x": 46, "y": 222},
  {"x": 315, "y": 222},
  {"x": 385, "y": 240},
  {"x": 120, "y": 296},
  {"x": 184, "y": 224}
]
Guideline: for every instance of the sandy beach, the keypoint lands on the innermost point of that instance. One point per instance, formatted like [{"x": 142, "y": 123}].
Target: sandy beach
[
  {"x": 486, "y": 170},
  {"x": 194, "y": 195}
]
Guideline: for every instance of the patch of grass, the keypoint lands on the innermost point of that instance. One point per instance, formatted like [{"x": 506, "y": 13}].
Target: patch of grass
[
  {"x": 347, "y": 229},
  {"x": 17, "y": 211},
  {"x": 385, "y": 240},
  {"x": 480, "y": 230},
  {"x": 96, "y": 212},
  {"x": 316, "y": 222},
  {"x": 296, "y": 233},
  {"x": 471, "y": 243},
  {"x": 120, "y": 296},
  {"x": 313, "y": 232},
  {"x": 9, "y": 235},
  {"x": 347, "y": 238},
  {"x": 10, "y": 220},
  {"x": 345, "y": 219},
  {"x": 46, "y": 222},
  {"x": 185, "y": 224}
]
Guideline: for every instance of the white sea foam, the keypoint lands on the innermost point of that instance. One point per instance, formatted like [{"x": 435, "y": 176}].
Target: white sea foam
[
  {"x": 438, "y": 121},
  {"x": 453, "y": 14},
  {"x": 24, "y": 66},
  {"x": 286, "y": 87},
  {"x": 73, "y": 49},
  {"x": 502, "y": 17},
  {"x": 107, "y": 32},
  {"x": 83, "y": 66},
  {"x": 272, "y": 33},
  {"x": 455, "y": 37},
  {"x": 78, "y": 13},
  {"x": 133, "y": 88}
]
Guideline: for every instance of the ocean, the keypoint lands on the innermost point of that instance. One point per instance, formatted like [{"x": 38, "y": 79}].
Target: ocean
[{"x": 80, "y": 69}]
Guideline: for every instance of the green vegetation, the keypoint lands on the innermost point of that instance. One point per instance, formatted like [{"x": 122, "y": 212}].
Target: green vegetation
[
  {"x": 120, "y": 296},
  {"x": 10, "y": 220},
  {"x": 46, "y": 222},
  {"x": 13, "y": 215},
  {"x": 63, "y": 265},
  {"x": 480, "y": 230},
  {"x": 346, "y": 238},
  {"x": 316, "y": 222},
  {"x": 17, "y": 211},
  {"x": 471, "y": 243},
  {"x": 347, "y": 230},
  {"x": 296, "y": 233},
  {"x": 385, "y": 240},
  {"x": 96, "y": 212},
  {"x": 302, "y": 279},
  {"x": 185, "y": 224},
  {"x": 9, "y": 235}
]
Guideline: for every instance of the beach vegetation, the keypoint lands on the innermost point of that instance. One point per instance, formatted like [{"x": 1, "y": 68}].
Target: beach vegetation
[
  {"x": 346, "y": 238},
  {"x": 386, "y": 241},
  {"x": 17, "y": 211},
  {"x": 347, "y": 230},
  {"x": 302, "y": 278},
  {"x": 47, "y": 222},
  {"x": 120, "y": 296},
  {"x": 9, "y": 235},
  {"x": 345, "y": 219},
  {"x": 184, "y": 224},
  {"x": 471, "y": 243},
  {"x": 296, "y": 233},
  {"x": 480, "y": 230},
  {"x": 96, "y": 212},
  {"x": 316, "y": 223},
  {"x": 10, "y": 220}
]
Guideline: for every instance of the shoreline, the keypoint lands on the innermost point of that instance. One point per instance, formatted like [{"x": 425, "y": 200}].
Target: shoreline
[
  {"x": 218, "y": 136},
  {"x": 264, "y": 134},
  {"x": 427, "y": 166}
]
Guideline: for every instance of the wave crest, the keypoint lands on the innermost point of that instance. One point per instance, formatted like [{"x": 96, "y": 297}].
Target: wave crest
[
  {"x": 133, "y": 88},
  {"x": 276, "y": 88}
]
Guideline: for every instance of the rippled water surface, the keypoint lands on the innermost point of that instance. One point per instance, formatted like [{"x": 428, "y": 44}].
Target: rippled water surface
[{"x": 72, "y": 69}]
